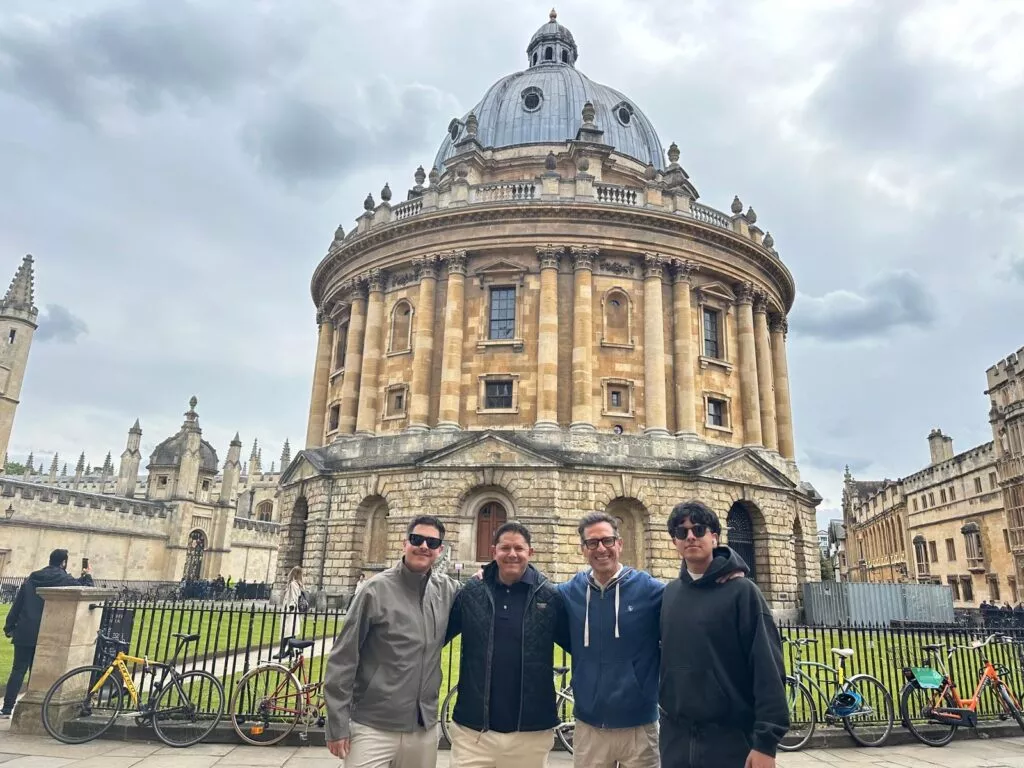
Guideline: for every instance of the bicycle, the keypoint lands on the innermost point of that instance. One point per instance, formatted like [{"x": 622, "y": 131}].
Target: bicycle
[
  {"x": 274, "y": 698},
  {"x": 855, "y": 700},
  {"x": 564, "y": 731},
  {"x": 182, "y": 707},
  {"x": 931, "y": 687}
]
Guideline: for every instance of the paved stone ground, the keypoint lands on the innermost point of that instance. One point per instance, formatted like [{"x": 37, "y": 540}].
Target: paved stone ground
[{"x": 18, "y": 751}]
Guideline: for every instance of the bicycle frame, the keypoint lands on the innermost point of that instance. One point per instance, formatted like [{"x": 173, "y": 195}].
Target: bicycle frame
[
  {"x": 989, "y": 676},
  {"x": 836, "y": 676},
  {"x": 307, "y": 690}
]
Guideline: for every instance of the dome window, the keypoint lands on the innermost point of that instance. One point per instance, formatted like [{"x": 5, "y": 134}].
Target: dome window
[
  {"x": 624, "y": 113},
  {"x": 565, "y": 57},
  {"x": 532, "y": 99},
  {"x": 454, "y": 129},
  {"x": 549, "y": 54}
]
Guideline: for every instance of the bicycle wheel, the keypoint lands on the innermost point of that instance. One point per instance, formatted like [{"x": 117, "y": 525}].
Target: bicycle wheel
[
  {"x": 1010, "y": 703},
  {"x": 802, "y": 716},
  {"x": 188, "y": 708},
  {"x": 447, "y": 709},
  {"x": 915, "y": 704},
  {"x": 73, "y": 713},
  {"x": 565, "y": 731},
  {"x": 870, "y": 725},
  {"x": 266, "y": 705}
]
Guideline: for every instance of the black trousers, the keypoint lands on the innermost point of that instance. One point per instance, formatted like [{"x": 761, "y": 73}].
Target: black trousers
[
  {"x": 23, "y": 656},
  {"x": 695, "y": 745}
]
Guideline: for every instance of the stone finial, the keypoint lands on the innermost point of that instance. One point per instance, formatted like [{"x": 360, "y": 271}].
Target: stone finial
[
  {"x": 64, "y": 470},
  {"x": 368, "y": 203},
  {"x": 385, "y": 193},
  {"x": 673, "y": 153},
  {"x": 737, "y": 206},
  {"x": 53, "y": 465},
  {"x": 136, "y": 428},
  {"x": 583, "y": 164},
  {"x": 20, "y": 294},
  {"x": 472, "y": 124},
  {"x": 650, "y": 172},
  {"x": 108, "y": 465},
  {"x": 462, "y": 171},
  {"x": 40, "y": 467},
  {"x": 30, "y": 465},
  {"x": 255, "y": 449},
  {"x": 339, "y": 234},
  {"x": 550, "y": 162},
  {"x": 434, "y": 176},
  {"x": 552, "y": 15},
  {"x": 420, "y": 176},
  {"x": 589, "y": 113},
  {"x": 768, "y": 241},
  {"x": 751, "y": 216},
  {"x": 193, "y": 402},
  {"x": 80, "y": 467},
  {"x": 286, "y": 455}
]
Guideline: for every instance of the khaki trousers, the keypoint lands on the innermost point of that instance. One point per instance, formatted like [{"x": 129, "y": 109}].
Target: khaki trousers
[
  {"x": 604, "y": 747},
  {"x": 522, "y": 749},
  {"x": 372, "y": 748}
]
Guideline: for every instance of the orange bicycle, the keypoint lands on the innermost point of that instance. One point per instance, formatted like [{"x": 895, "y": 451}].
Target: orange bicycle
[
  {"x": 272, "y": 699},
  {"x": 930, "y": 705}
]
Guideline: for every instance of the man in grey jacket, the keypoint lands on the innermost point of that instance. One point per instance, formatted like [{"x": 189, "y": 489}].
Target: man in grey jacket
[{"x": 384, "y": 672}]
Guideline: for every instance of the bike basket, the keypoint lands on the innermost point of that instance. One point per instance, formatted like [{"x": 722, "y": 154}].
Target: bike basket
[
  {"x": 846, "y": 704},
  {"x": 927, "y": 677}
]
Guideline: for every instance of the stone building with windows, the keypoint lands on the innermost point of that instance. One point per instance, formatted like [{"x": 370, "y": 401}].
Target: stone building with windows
[
  {"x": 1006, "y": 392},
  {"x": 548, "y": 325}
]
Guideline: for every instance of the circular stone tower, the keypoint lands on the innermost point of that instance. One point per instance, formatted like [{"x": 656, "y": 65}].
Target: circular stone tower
[{"x": 550, "y": 324}]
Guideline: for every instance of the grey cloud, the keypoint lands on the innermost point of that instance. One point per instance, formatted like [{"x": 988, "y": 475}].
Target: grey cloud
[
  {"x": 892, "y": 300},
  {"x": 824, "y": 458},
  {"x": 57, "y": 323},
  {"x": 1017, "y": 267}
]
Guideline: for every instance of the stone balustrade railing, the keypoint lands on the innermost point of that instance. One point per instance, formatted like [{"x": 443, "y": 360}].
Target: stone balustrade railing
[
  {"x": 504, "y": 190},
  {"x": 709, "y": 215},
  {"x": 618, "y": 195},
  {"x": 263, "y": 526},
  {"x": 57, "y": 495}
]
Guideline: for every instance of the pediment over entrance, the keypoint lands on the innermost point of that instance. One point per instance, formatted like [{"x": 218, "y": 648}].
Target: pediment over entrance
[
  {"x": 488, "y": 450},
  {"x": 746, "y": 467},
  {"x": 302, "y": 468},
  {"x": 500, "y": 270}
]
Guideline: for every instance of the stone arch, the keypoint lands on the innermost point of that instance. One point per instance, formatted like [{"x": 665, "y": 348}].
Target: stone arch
[
  {"x": 745, "y": 532},
  {"x": 340, "y": 344},
  {"x": 634, "y": 524},
  {"x": 374, "y": 514},
  {"x": 617, "y": 317},
  {"x": 549, "y": 53},
  {"x": 265, "y": 511},
  {"x": 298, "y": 524},
  {"x": 400, "y": 338},
  {"x": 195, "y": 548},
  {"x": 484, "y": 508}
]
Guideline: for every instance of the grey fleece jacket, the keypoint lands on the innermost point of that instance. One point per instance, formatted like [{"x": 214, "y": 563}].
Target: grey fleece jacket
[{"x": 384, "y": 670}]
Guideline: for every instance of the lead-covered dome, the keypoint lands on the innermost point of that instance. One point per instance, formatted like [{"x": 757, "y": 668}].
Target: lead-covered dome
[{"x": 543, "y": 104}]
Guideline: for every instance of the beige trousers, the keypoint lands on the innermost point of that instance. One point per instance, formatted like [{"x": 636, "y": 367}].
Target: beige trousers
[
  {"x": 372, "y": 748},
  {"x": 523, "y": 749},
  {"x": 604, "y": 747}
]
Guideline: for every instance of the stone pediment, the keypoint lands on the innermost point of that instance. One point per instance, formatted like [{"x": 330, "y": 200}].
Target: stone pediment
[
  {"x": 500, "y": 270},
  {"x": 301, "y": 468},
  {"x": 488, "y": 450},
  {"x": 716, "y": 292},
  {"x": 746, "y": 467}
]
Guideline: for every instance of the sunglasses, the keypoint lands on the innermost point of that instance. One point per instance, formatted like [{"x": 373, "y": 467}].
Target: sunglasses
[
  {"x": 682, "y": 531},
  {"x": 418, "y": 540},
  {"x": 608, "y": 541}
]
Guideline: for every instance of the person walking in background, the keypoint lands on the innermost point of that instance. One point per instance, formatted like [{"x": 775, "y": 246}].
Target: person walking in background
[
  {"x": 22, "y": 623},
  {"x": 296, "y": 604},
  {"x": 722, "y": 690}
]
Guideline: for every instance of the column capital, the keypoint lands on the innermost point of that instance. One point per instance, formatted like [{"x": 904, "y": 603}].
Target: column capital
[
  {"x": 321, "y": 315},
  {"x": 744, "y": 293},
  {"x": 761, "y": 302},
  {"x": 682, "y": 270},
  {"x": 654, "y": 265},
  {"x": 425, "y": 267},
  {"x": 549, "y": 255},
  {"x": 777, "y": 323},
  {"x": 583, "y": 257},
  {"x": 376, "y": 279},
  {"x": 456, "y": 261},
  {"x": 356, "y": 288}
]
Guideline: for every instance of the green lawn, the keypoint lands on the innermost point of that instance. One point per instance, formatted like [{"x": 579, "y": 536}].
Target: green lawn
[{"x": 6, "y": 649}]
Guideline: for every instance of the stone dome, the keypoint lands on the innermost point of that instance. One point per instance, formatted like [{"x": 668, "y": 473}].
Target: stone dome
[
  {"x": 169, "y": 453},
  {"x": 543, "y": 104}
]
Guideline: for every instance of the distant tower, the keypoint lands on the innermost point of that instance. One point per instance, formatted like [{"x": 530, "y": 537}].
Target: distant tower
[
  {"x": 232, "y": 469},
  {"x": 286, "y": 455},
  {"x": 18, "y": 315},
  {"x": 254, "y": 460},
  {"x": 128, "y": 472}
]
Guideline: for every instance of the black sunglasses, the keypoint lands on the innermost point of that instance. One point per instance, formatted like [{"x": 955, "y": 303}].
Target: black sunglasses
[
  {"x": 418, "y": 540},
  {"x": 608, "y": 541},
  {"x": 681, "y": 532}
]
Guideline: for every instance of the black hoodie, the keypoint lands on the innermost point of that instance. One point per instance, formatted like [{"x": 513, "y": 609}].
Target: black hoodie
[
  {"x": 22, "y": 624},
  {"x": 721, "y": 658}
]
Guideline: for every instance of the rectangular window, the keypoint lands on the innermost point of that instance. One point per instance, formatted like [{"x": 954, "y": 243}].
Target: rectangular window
[
  {"x": 712, "y": 333},
  {"x": 977, "y": 485},
  {"x": 942, "y": 495},
  {"x": 396, "y": 401},
  {"x": 503, "y": 314},
  {"x": 335, "y": 418},
  {"x": 931, "y": 499},
  {"x": 967, "y": 589},
  {"x": 1011, "y": 584},
  {"x": 915, "y": 504},
  {"x": 933, "y": 551},
  {"x": 163, "y": 480},
  {"x": 954, "y": 584},
  {"x": 1006, "y": 539},
  {"x": 993, "y": 481},
  {"x": 950, "y": 550},
  {"x": 716, "y": 413},
  {"x": 952, "y": 493},
  {"x": 12, "y": 336},
  {"x": 924, "y": 500},
  {"x": 993, "y": 587},
  {"x": 618, "y": 399},
  {"x": 498, "y": 395}
]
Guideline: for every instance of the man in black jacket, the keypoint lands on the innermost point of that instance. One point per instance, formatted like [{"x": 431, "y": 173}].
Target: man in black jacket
[
  {"x": 722, "y": 675},
  {"x": 509, "y": 621},
  {"x": 22, "y": 624}
]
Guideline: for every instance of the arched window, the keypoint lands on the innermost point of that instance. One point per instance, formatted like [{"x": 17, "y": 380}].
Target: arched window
[
  {"x": 565, "y": 57},
  {"x": 265, "y": 511},
  {"x": 741, "y": 536},
  {"x": 194, "y": 555},
  {"x": 549, "y": 54},
  {"x": 401, "y": 327},
  {"x": 489, "y": 519},
  {"x": 340, "y": 345},
  {"x": 534, "y": 58},
  {"x": 378, "y": 531},
  {"x": 617, "y": 317}
]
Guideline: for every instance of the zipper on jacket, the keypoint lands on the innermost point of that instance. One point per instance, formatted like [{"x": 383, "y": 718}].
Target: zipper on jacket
[
  {"x": 522, "y": 657},
  {"x": 694, "y": 736},
  {"x": 489, "y": 660}
]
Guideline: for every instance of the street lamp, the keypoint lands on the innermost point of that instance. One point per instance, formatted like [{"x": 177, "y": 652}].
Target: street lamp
[{"x": 9, "y": 512}]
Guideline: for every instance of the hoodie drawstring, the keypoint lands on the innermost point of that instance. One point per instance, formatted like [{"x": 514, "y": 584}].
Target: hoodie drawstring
[
  {"x": 586, "y": 620},
  {"x": 616, "y": 610}
]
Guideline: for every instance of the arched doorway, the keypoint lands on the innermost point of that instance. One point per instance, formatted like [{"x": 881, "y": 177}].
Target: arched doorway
[
  {"x": 631, "y": 516},
  {"x": 377, "y": 524},
  {"x": 490, "y": 518},
  {"x": 194, "y": 556},
  {"x": 300, "y": 515},
  {"x": 741, "y": 536}
]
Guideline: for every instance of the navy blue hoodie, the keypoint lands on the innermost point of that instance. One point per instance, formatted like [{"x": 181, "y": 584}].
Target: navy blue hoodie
[{"x": 614, "y": 638}]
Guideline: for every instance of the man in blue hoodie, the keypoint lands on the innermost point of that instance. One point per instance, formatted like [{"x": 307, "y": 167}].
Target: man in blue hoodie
[{"x": 613, "y": 629}]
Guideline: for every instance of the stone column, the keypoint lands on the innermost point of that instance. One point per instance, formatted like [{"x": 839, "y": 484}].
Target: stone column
[
  {"x": 451, "y": 353},
  {"x": 423, "y": 346},
  {"x": 547, "y": 342},
  {"x": 583, "y": 338},
  {"x": 366, "y": 419},
  {"x": 654, "y": 347},
  {"x": 353, "y": 357},
  {"x": 765, "y": 385},
  {"x": 749, "y": 403},
  {"x": 780, "y": 370},
  {"x": 67, "y": 639},
  {"x": 321, "y": 377},
  {"x": 685, "y": 380}
]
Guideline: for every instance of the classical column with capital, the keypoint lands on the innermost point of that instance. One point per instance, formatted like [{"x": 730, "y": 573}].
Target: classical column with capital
[
  {"x": 369, "y": 397},
  {"x": 780, "y": 369},
  {"x": 765, "y": 383},
  {"x": 426, "y": 269},
  {"x": 685, "y": 379},
  {"x": 451, "y": 353},
  {"x": 749, "y": 402},
  {"x": 321, "y": 377},
  {"x": 654, "y": 347},
  {"x": 583, "y": 338},
  {"x": 353, "y": 356},
  {"x": 547, "y": 342}
]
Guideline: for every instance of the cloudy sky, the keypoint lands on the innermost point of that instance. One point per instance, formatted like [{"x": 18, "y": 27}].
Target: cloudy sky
[{"x": 178, "y": 169}]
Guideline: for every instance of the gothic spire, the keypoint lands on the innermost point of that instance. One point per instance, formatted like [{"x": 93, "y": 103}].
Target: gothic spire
[
  {"x": 286, "y": 455},
  {"x": 21, "y": 295},
  {"x": 53, "y": 465},
  {"x": 80, "y": 467},
  {"x": 255, "y": 448},
  {"x": 108, "y": 465}
]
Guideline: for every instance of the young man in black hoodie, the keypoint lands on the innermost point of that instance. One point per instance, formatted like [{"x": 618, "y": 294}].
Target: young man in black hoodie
[
  {"x": 722, "y": 693},
  {"x": 22, "y": 624}
]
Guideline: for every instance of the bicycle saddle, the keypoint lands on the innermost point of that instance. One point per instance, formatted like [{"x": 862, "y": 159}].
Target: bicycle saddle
[
  {"x": 933, "y": 647},
  {"x": 844, "y": 652},
  {"x": 298, "y": 645},
  {"x": 186, "y": 638}
]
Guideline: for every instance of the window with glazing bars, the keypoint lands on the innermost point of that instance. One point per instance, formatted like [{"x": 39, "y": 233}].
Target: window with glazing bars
[
  {"x": 712, "y": 347},
  {"x": 503, "y": 313},
  {"x": 498, "y": 394},
  {"x": 716, "y": 413}
]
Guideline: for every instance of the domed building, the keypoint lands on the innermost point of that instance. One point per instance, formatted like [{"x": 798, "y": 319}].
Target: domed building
[{"x": 548, "y": 325}]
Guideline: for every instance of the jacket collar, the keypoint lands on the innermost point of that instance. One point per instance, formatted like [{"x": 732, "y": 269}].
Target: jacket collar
[{"x": 417, "y": 582}]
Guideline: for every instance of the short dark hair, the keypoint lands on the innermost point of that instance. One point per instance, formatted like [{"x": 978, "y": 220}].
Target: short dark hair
[
  {"x": 511, "y": 527},
  {"x": 593, "y": 519},
  {"x": 426, "y": 520},
  {"x": 58, "y": 557},
  {"x": 697, "y": 513}
]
